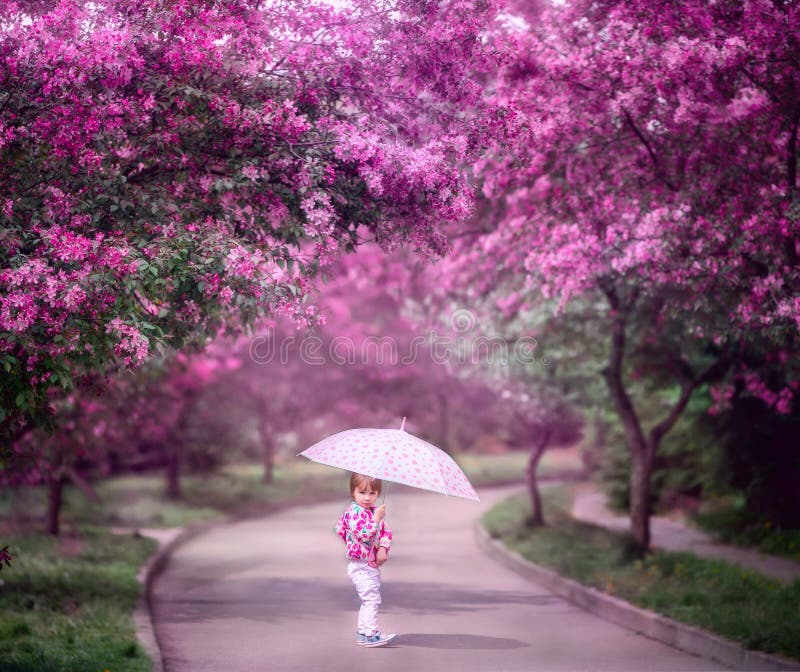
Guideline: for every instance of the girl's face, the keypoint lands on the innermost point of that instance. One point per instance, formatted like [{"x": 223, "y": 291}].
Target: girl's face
[{"x": 365, "y": 496}]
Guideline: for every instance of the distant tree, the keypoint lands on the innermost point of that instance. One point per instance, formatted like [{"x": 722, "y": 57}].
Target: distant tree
[
  {"x": 539, "y": 419},
  {"x": 42, "y": 458}
]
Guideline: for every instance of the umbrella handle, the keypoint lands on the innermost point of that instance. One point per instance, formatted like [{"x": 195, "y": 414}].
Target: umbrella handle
[{"x": 377, "y": 538}]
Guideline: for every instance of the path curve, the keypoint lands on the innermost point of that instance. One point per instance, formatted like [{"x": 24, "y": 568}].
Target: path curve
[
  {"x": 591, "y": 505},
  {"x": 272, "y": 594}
]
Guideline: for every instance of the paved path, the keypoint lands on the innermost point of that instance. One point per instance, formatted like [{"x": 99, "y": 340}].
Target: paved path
[
  {"x": 272, "y": 594},
  {"x": 590, "y": 505}
]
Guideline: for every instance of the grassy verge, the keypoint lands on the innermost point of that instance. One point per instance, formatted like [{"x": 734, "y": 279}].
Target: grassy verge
[
  {"x": 742, "y": 605},
  {"x": 730, "y": 521},
  {"x": 66, "y": 604},
  {"x": 510, "y": 467}
]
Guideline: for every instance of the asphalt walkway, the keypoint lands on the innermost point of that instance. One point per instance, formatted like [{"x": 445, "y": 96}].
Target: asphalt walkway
[
  {"x": 590, "y": 506},
  {"x": 273, "y": 594}
]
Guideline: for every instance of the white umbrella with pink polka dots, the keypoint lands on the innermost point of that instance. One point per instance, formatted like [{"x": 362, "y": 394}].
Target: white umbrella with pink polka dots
[{"x": 393, "y": 455}]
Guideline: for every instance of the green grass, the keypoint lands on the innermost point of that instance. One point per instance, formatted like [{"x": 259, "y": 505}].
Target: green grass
[
  {"x": 742, "y": 605},
  {"x": 509, "y": 467},
  {"x": 731, "y": 522},
  {"x": 66, "y": 605}
]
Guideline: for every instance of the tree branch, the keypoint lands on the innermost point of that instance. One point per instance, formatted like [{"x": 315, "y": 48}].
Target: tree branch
[
  {"x": 83, "y": 484},
  {"x": 687, "y": 388},
  {"x": 613, "y": 373},
  {"x": 656, "y": 164}
]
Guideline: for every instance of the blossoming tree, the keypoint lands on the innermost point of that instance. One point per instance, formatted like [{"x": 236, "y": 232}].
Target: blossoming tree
[
  {"x": 173, "y": 167},
  {"x": 655, "y": 170}
]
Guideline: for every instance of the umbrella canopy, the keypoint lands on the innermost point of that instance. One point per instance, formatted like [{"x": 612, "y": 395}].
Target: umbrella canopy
[{"x": 393, "y": 455}]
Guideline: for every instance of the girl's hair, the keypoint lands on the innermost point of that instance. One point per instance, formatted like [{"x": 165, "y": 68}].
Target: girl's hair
[{"x": 357, "y": 480}]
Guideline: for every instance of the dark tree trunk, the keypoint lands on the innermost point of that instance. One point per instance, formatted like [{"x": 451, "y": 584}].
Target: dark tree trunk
[
  {"x": 268, "y": 447},
  {"x": 54, "y": 500},
  {"x": 176, "y": 447},
  {"x": 639, "y": 507},
  {"x": 640, "y": 465},
  {"x": 266, "y": 433},
  {"x": 174, "y": 474},
  {"x": 444, "y": 421},
  {"x": 537, "y": 513},
  {"x": 643, "y": 449}
]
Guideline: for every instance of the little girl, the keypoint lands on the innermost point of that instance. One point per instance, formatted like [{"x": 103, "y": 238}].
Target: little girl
[{"x": 368, "y": 538}]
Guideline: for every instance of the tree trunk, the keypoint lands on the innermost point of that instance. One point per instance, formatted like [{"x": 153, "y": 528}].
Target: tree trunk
[
  {"x": 269, "y": 456},
  {"x": 55, "y": 490},
  {"x": 640, "y": 464},
  {"x": 643, "y": 451},
  {"x": 269, "y": 465},
  {"x": 444, "y": 420},
  {"x": 174, "y": 474},
  {"x": 639, "y": 507},
  {"x": 537, "y": 515},
  {"x": 266, "y": 433},
  {"x": 176, "y": 447}
]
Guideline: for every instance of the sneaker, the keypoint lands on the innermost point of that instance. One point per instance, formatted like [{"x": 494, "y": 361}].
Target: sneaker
[{"x": 378, "y": 639}]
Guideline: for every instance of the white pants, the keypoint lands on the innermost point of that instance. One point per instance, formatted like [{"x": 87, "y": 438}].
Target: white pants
[{"x": 368, "y": 586}]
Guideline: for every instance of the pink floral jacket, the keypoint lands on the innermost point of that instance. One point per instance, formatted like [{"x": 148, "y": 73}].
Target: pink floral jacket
[{"x": 358, "y": 530}]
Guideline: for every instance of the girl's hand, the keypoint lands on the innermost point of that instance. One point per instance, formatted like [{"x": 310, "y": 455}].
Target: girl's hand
[
  {"x": 379, "y": 513},
  {"x": 381, "y": 557}
]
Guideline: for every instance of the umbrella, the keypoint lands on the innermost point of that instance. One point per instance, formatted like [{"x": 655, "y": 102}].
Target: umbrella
[{"x": 393, "y": 455}]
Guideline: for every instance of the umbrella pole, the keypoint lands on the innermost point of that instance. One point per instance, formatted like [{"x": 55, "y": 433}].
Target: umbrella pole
[{"x": 376, "y": 539}]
